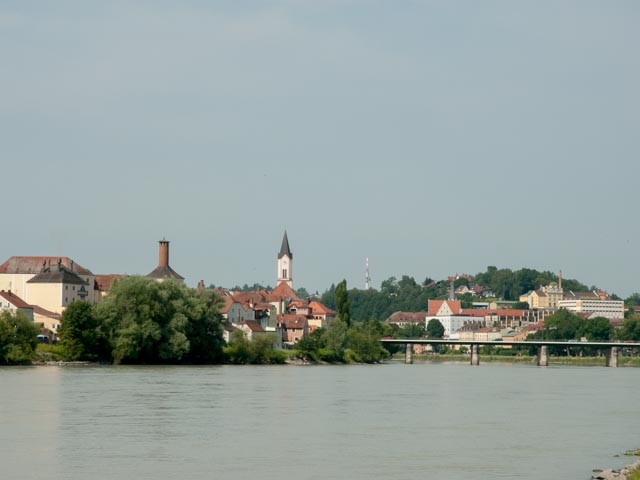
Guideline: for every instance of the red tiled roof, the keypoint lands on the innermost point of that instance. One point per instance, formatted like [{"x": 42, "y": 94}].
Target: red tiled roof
[
  {"x": 105, "y": 280},
  {"x": 292, "y": 320},
  {"x": 405, "y": 317},
  {"x": 253, "y": 325},
  {"x": 320, "y": 309},
  {"x": 15, "y": 300},
  {"x": 434, "y": 306},
  {"x": 503, "y": 312},
  {"x": 45, "y": 313},
  {"x": 282, "y": 292},
  {"x": 250, "y": 297},
  {"x": 30, "y": 264},
  {"x": 226, "y": 304}
]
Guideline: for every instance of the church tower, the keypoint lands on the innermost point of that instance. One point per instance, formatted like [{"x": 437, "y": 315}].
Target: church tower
[{"x": 285, "y": 262}]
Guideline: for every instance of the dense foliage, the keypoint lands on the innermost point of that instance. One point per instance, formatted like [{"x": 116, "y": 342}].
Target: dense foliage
[
  {"x": 341, "y": 344},
  {"x": 259, "y": 350},
  {"x": 145, "y": 321},
  {"x": 18, "y": 339}
]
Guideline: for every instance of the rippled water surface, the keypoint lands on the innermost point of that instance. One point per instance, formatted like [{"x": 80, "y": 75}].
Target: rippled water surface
[{"x": 445, "y": 421}]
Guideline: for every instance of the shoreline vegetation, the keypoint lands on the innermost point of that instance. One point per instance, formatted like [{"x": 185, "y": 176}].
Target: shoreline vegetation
[{"x": 54, "y": 355}]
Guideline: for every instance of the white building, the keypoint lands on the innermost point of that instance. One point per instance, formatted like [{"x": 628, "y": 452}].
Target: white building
[{"x": 594, "y": 306}]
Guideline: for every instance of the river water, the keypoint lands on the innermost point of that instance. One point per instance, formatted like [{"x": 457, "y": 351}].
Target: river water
[{"x": 394, "y": 421}]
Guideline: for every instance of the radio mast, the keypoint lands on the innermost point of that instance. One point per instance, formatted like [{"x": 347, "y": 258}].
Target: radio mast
[{"x": 367, "y": 278}]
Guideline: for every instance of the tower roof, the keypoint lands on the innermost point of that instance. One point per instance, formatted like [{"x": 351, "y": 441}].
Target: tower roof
[{"x": 284, "y": 249}]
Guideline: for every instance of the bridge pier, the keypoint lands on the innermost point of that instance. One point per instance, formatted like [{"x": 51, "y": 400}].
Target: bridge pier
[
  {"x": 612, "y": 357},
  {"x": 543, "y": 356},
  {"x": 475, "y": 354},
  {"x": 408, "y": 353}
]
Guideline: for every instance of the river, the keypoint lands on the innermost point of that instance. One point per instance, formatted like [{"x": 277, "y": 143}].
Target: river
[{"x": 394, "y": 421}]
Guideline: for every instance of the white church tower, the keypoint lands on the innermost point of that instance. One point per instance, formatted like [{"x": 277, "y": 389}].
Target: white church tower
[{"x": 285, "y": 262}]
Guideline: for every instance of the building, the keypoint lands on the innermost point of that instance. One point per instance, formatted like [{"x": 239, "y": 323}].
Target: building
[
  {"x": 402, "y": 319},
  {"x": 163, "y": 271},
  {"x": 546, "y": 297},
  {"x": 449, "y": 314},
  {"x": 593, "y": 304},
  {"x": 11, "y": 302},
  {"x": 16, "y": 272},
  {"x": 285, "y": 263},
  {"x": 56, "y": 287}
]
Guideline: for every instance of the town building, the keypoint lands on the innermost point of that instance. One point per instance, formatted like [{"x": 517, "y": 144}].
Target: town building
[
  {"x": 595, "y": 304},
  {"x": 11, "y": 302},
  {"x": 449, "y": 314},
  {"x": 60, "y": 281}
]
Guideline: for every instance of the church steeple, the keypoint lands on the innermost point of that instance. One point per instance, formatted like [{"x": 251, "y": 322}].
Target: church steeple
[
  {"x": 284, "y": 249},
  {"x": 285, "y": 262}
]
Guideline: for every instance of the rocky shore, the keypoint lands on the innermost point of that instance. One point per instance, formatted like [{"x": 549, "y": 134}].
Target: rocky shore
[{"x": 622, "y": 474}]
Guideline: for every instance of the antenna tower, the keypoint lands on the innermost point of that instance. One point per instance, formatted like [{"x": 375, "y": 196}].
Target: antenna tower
[{"x": 367, "y": 278}]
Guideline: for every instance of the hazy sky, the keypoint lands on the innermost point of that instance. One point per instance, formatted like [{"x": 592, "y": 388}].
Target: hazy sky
[{"x": 433, "y": 137}]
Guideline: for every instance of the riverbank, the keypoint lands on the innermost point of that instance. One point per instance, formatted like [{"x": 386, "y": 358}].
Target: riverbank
[
  {"x": 520, "y": 359},
  {"x": 628, "y": 472}
]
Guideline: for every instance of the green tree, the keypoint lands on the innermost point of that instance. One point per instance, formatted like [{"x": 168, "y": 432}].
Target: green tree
[
  {"x": 435, "y": 329},
  {"x": 159, "y": 322},
  {"x": 597, "y": 329},
  {"x": 562, "y": 325},
  {"x": 18, "y": 338},
  {"x": 335, "y": 338},
  {"x": 412, "y": 330},
  {"x": 79, "y": 333},
  {"x": 630, "y": 329},
  {"x": 342, "y": 302}
]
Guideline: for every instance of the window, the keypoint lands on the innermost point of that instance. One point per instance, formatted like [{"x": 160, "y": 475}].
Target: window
[{"x": 284, "y": 273}]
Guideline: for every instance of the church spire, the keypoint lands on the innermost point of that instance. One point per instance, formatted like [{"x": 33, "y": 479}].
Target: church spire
[
  {"x": 284, "y": 249},
  {"x": 285, "y": 262}
]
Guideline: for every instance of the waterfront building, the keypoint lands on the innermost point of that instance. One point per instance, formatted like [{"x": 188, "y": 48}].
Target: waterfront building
[{"x": 17, "y": 271}]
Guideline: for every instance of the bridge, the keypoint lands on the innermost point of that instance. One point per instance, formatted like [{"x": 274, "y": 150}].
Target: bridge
[{"x": 611, "y": 348}]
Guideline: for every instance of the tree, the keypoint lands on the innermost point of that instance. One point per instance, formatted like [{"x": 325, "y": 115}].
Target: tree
[
  {"x": 597, "y": 329},
  {"x": 302, "y": 292},
  {"x": 342, "y": 302},
  {"x": 412, "y": 330},
  {"x": 160, "y": 322},
  {"x": 435, "y": 329},
  {"x": 79, "y": 333},
  {"x": 562, "y": 325},
  {"x": 630, "y": 329},
  {"x": 18, "y": 339}
]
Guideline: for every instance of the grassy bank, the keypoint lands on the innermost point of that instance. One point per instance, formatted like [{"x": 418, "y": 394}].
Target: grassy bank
[{"x": 521, "y": 359}]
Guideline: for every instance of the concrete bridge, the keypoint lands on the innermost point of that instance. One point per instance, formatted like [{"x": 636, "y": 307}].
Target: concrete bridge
[{"x": 611, "y": 348}]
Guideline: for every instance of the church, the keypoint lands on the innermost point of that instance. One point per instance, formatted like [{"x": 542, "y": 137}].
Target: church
[{"x": 280, "y": 310}]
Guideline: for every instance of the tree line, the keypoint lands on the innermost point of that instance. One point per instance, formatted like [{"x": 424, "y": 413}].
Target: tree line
[{"x": 409, "y": 295}]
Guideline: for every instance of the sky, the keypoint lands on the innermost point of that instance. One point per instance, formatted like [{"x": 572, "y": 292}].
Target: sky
[{"x": 433, "y": 137}]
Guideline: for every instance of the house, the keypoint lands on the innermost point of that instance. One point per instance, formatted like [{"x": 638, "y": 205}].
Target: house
[
  {"x": 402, "y": 319},
  {"x": 294, "y": 327},
  {"x": 319, "y": 316},
  {"x": 11, "y": 302},
  {"x": 251, "y": 328},
  {"x": 47, "y": 319},
  {"x": 449, "y": 314}
]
